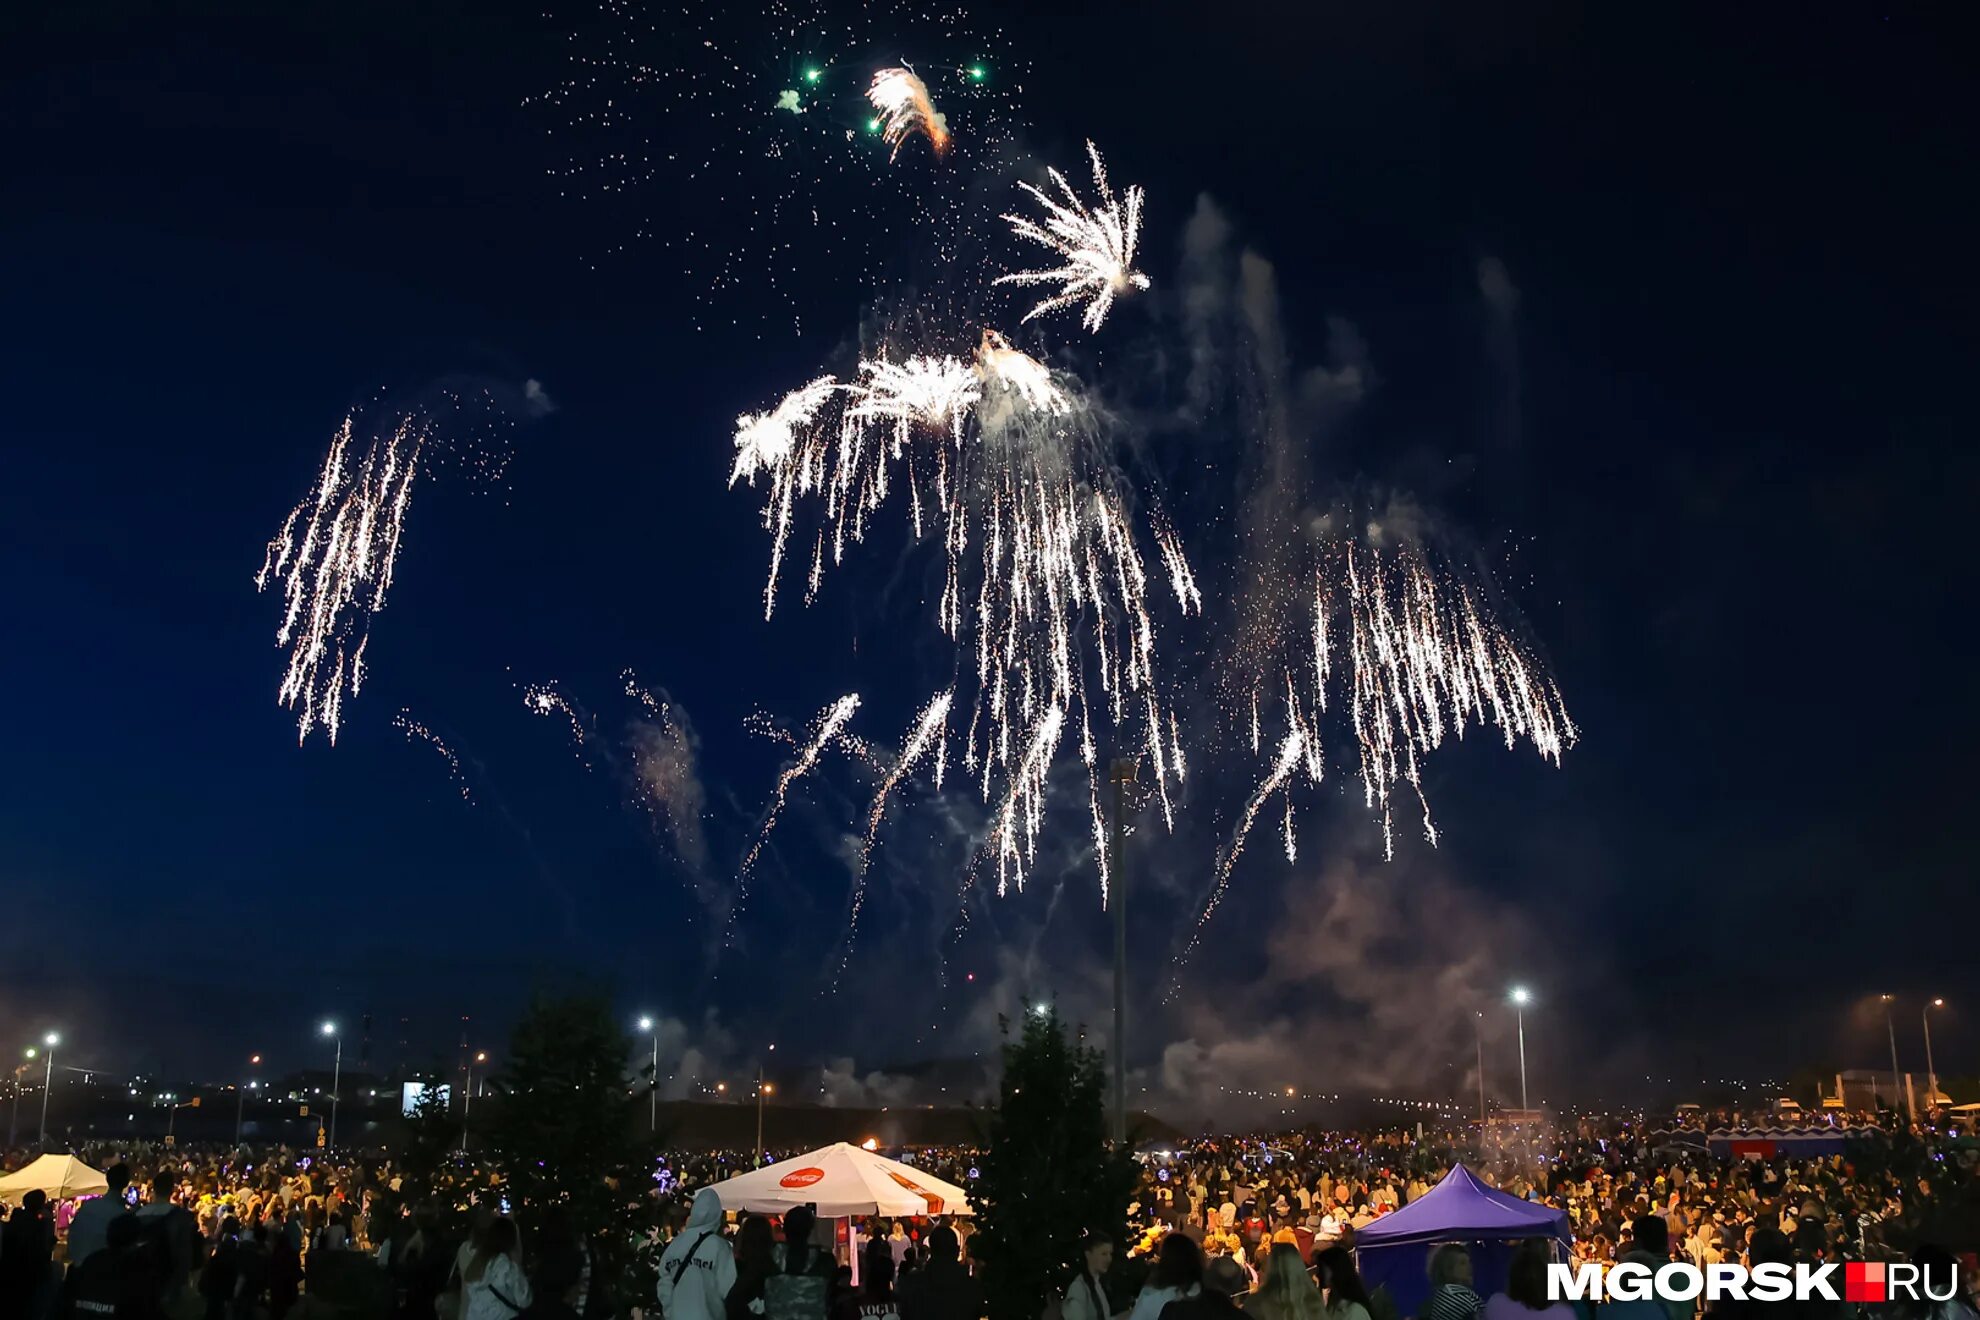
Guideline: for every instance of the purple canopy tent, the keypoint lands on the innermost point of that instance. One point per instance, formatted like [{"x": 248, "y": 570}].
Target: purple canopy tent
[{"x": 1394, "y": 1251}]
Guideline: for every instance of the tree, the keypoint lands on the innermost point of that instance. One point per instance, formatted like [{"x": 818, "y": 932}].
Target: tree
[
  {"x": 432, "y": 1136},
  {"x": 565, "y": 1139},
  {"x": 1047, "y": 1176}
]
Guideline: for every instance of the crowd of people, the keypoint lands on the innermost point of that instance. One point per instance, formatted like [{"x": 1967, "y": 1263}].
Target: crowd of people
[{"x": 1263, "y": 1225}]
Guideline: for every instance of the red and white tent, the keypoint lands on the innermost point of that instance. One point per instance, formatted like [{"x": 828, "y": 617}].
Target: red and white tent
[{"x": 841, "y": 1180}]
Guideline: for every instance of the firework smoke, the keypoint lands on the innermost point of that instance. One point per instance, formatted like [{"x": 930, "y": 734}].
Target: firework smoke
[
  {"x": 334, "y": 559},
  {"x": 1098, "y": 245},
  {"x": 902, "y": 100}
]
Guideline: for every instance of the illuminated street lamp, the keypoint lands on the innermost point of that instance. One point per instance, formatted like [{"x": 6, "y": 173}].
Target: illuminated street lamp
[
  {"x": 51, "y": 1040},
  {"x": 1520, "y": 999},
  {"x": 336, "y": 1078},
  {"x": 653, "y": 1092},
  {"x": 240, "y": 1102}
]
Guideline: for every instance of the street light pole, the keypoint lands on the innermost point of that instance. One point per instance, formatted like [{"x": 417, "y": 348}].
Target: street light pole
[
  {"x": 336, "y": 1079},
  {"x": 1519, "y": 999},
  {"x": 1478, "y": 1026},
  {"x": 653, "y": 1089},
  {"x": 763, "y": 1088},
  {"x": 240, "y": 1107},
  {"x": 1931, "y": 1073},
  {"x": 48, "y": 1083},
  {"x": 1122, "y": 774},
  {"x": 1897, "y": 1078}
]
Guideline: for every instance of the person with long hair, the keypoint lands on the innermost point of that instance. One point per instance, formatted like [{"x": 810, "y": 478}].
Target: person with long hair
[
  {"x": 1346, "y": 1297},
  {"x": 756, "y": 1261},
  {"x": 1286, "y": 1291},
  {"x": 493, "y": 1287},
  {"x": 1178, "y": 1273}
]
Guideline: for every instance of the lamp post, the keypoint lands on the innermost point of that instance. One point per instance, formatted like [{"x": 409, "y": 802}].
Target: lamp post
[
  {"x": 1931, "y": 1073},
  {"x": 653, "y": 1089},
  {"x": 240, "y": 1105},
  {"x": 1478, "y": 1029},
  {"x": 336, "y": 1078},
  {"x": 480, "y": 1056},
  {"x": 763, "y": 1088},
  {"x": 51, "y": 1040},
  {"x": 1520, "y": 998},
  {"x": 1897, "y": 1078}
]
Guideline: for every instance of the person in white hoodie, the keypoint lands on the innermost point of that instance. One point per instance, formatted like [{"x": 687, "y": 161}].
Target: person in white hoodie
[{"x": 699, "y": 1266}]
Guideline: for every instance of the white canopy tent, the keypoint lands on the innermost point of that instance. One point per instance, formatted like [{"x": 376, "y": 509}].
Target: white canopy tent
[
  {"x": 61, "y": 1177},
  {"x": 841, "y": 1180}
]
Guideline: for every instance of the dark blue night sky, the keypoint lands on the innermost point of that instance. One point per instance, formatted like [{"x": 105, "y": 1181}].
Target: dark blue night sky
[{"x": 1718, "y": 445}]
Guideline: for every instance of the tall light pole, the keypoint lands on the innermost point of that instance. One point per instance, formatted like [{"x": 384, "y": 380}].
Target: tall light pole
[
  {"x": 14, "y": 1123},
  {"x": 336, "y": 1078},
  {"x": 1478, "y": 1027},
  {"x": 1520, "y": 999},
  {"x": 240, "y": 1105},
  {"x": 467, "y": 1095},
  {"x": 763, "y": 1088},
  {"x": 653, "y": 1091},
  {"x": 1931, "y": 1073},
  {"x": 467, "y": 1099},
  {"x": 51, "y": 1040},
  {"x": 1120, "y": 776},
  {"x": 1897, "y": 1078}
]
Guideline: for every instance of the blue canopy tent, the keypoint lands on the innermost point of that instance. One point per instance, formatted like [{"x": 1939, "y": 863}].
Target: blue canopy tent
[{"x": 1394, "y": 1251}]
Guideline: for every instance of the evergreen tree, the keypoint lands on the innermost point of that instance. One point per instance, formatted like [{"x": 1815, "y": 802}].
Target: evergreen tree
[
  {"x": 432, "y": 1137},
  {"x": 564, "y": 1136},
  {"x": 1047, "y": 1176}
]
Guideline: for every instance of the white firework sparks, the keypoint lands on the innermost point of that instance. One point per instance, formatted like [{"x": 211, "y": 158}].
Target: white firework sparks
[
  {"x": 418, "y": 732},
  {"x": 828, "y": 725},
  {"x": 1042, "y": 563},
  {"x": 334, "y": 559},
  {"x": 905, "y": 109},
  {"x": 997, "y": 363},
  {"x": 1098, "y": 245}
]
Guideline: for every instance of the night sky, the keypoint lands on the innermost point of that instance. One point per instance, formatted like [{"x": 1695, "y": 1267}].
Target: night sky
[{"x": 1660, "y": 308}]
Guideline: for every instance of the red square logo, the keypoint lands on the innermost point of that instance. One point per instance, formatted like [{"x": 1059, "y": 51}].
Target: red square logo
[{"x": 1863, "y": 1281}]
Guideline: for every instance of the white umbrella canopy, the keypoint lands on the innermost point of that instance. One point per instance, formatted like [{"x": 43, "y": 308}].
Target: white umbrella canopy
[
  {"x": 62, "y": 1177},
  {"x": 842, "y": 1179}
]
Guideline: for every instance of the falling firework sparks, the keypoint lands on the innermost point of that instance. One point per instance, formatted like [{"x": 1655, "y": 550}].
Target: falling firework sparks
[
  {"x": 1042, "y": 564},
  {"x": 544, "y": 699},
  {"x": 1098, "y": 245},
  {"x": 829, "y": 724},
  {"x": 1424, "y": 660},
  {"x": 927, "y": 738},
  {"x": 334, "y": 559},
  {"x": 418, "y": 732},
  {"x": 902, "y": 100}
]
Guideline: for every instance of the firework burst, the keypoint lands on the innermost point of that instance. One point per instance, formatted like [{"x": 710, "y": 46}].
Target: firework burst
[
  {"x": 1098, "y": 245},
  {"x": 334, "y": 559},
  {"x": 1044, "y": 581},
  {"x": 905, "y": 109}
]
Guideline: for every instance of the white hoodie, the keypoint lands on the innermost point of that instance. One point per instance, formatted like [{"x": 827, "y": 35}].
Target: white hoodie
[{"x": 699, "y": 1266}]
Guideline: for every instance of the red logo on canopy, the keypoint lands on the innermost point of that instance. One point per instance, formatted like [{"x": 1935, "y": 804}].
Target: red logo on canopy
[{"x": 800, "y": 1177}]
